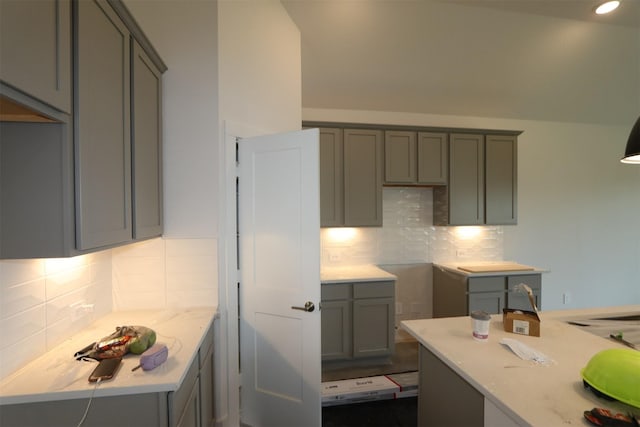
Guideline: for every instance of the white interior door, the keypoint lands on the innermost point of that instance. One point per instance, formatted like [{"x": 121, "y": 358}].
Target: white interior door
[{"x": 279, "y": 268}]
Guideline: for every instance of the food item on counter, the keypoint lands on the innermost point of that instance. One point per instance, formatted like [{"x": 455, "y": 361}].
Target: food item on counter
[
  {"x": 146, "y": 339},
  {"x": 606, "y": 418},
  {"x": 125, "y": 339}
]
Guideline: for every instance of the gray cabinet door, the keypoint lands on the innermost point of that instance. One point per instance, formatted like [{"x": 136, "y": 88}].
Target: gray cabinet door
[
  {"x": 501, "y": 179},
  {"x": 373, "y": 331},
  {"x": 433, "y": 158},
  {"x": 466, "y": 179},
  {"x": 519, "y": 300},
  {"x": 146, "y": 144},
  {"x": 336, "y": 329},
  {"x": 331, "y": 177},
  {"x": 400, "y": 157},
  {"x": 35, "y": 49},
  {"x": 362, "y": 177},
  {"x": 491, "y": 302},
  {"x": 102, "y": 113},
  {"x": 487, "y": 294}
]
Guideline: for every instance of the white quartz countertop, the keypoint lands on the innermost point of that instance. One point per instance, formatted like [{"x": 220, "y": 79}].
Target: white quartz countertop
[
  {"x": 355, "y": 273},
  {"x": 495, "y": 267},
  {"x": 56, "y": 375},
  {"x": 530, "y": 394}
]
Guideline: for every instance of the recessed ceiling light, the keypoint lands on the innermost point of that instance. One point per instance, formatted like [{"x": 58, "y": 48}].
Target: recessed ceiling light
[{"x": 607, "y": 7}]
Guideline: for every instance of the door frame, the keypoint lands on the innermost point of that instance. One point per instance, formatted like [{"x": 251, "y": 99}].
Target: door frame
[{"x": 228, "y": 390}]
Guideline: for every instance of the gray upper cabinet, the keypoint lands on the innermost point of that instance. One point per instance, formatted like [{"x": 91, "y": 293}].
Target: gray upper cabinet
[
  {"x": 415, "y": 158},
  {"x": 482, "y": 186},
  {"x": 331, "y": 177},
  {"x": 146, "y": 142},
  {"x": 102, "y": 119},
  {"x": 35, "y": 49},
  {"x": 501, "y": 174},
  {"x": 400, "y": 165},
  {"x": 433, "y": 158},
  {"x": 473, "y": 172},
  {"x": 72, "y": 184},
  {"x": 466, "y": 179},
  {"x": 362, "y": 177},
  {"x": 350, "y": 177}
]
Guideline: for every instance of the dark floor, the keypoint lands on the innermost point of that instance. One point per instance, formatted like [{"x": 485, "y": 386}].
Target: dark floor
[{"x": 384, "y": 413}]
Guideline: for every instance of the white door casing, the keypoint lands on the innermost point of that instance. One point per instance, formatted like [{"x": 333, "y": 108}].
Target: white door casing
[{"x": 279, "y": 268}]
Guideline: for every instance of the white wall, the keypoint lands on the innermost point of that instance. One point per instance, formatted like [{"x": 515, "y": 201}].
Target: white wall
[
  {"x": 577, "y": 204},
  {"x": 260, "y": 63},
  {"x": 184, "y": 32}
]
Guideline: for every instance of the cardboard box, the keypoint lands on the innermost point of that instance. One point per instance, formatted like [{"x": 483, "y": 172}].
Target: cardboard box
[
  {"x": 521, "y": 322},
  {"x": 358, "y": 390}
]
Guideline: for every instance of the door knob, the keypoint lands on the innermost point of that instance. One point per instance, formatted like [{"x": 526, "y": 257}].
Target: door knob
[{"x": 308, "y": 306}]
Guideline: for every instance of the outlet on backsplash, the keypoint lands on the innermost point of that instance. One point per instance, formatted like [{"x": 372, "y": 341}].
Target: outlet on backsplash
[{"x": 462, "y": 253}]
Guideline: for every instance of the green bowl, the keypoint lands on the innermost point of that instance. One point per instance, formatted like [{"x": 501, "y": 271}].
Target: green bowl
[{"x": 615, "y": 373}]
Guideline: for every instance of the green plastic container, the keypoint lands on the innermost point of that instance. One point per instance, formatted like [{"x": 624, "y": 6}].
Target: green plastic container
[{"x": 615, "y": 373}]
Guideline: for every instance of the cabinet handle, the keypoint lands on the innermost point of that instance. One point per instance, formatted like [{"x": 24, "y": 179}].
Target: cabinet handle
[{"x": 308, "y": 307}]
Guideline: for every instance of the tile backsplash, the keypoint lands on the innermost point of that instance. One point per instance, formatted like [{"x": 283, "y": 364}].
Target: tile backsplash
[
  {"x": 43, "y": 301},
  {"x": 408, "y": 236}
]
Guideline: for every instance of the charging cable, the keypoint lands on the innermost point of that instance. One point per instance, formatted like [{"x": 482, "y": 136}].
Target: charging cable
[{"x": 86, "y": 411}]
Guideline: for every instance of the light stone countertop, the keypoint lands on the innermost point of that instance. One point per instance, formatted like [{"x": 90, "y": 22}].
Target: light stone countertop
[
  {"x": 529, "y": 394},
  {"x": 56, "y": 375},
  {"x": 355, "y": 273}
]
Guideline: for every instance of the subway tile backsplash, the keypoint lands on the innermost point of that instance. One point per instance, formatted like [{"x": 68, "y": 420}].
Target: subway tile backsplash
[
  {"x": 36, "y": 299},
  {"x": 408, "y": 236},
  {"x": 43, "y": 301}
]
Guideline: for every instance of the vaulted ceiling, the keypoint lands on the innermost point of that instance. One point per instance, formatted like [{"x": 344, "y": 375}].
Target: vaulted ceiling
[{"x": 548, "y": 60}]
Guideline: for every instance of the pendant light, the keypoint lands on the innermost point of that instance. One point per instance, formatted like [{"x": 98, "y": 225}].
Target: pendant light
[{"x": 632, "y": 152}]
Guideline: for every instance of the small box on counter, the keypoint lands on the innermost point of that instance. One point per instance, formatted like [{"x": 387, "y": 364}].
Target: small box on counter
[{"x": 521, "y": 322}]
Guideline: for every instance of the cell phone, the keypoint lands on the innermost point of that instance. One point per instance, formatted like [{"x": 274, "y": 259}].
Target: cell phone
[{"x": 105, "y": 370}]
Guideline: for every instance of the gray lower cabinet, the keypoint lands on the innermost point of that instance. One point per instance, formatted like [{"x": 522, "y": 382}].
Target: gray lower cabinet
[
  {"x": 482, "y": 187},
  {"x": 35, "y": 49},
  {"x": 437, "y": 383},
  {"x": 350, "y": 177},
  {"x": 415, "y": 158},
  {"x": 189, "y": 406},
  {"x": 337, "y": 322},
  {"x": 458, "y": 295},
  {"x": 357, "y": 320}
]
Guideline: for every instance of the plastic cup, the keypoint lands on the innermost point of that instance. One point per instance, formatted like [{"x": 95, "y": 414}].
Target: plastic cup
[{"x": 480, "y": 321}]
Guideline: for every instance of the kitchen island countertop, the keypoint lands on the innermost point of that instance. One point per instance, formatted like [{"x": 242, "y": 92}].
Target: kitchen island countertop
[
  {"x": 56, "y": 375},
  {"x": 527, "y": 393},
  {"x": 355, "y": 273}
]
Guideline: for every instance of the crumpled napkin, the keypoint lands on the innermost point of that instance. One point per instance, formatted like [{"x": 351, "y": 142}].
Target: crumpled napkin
[{"x": 525, "y": 352}]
